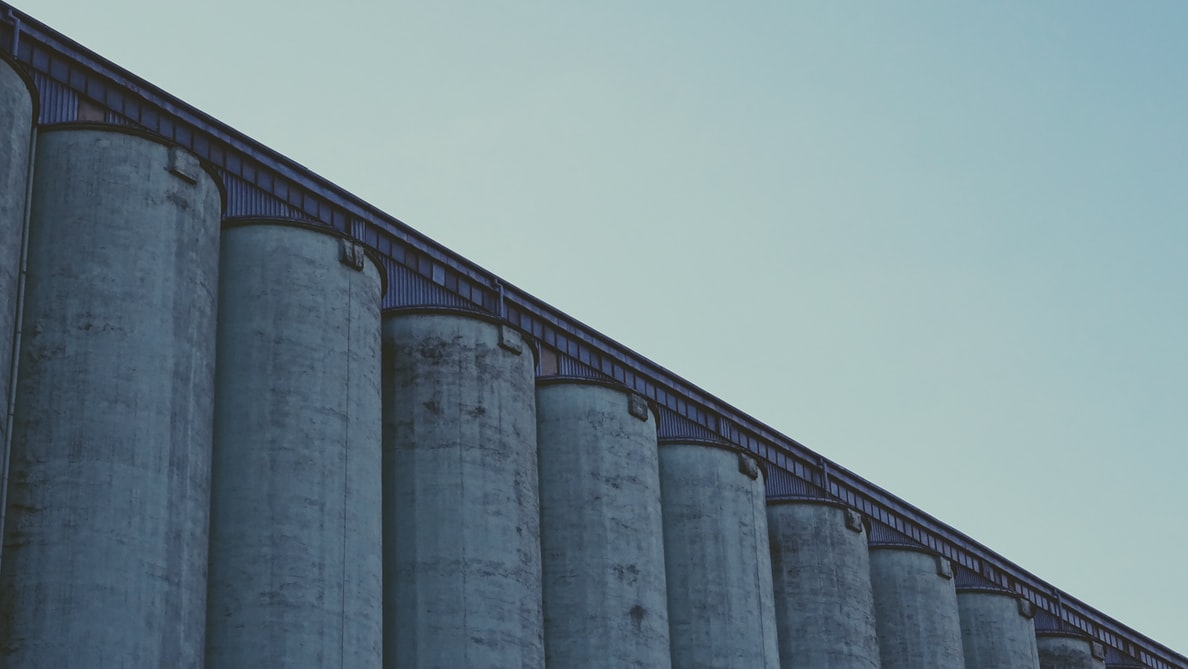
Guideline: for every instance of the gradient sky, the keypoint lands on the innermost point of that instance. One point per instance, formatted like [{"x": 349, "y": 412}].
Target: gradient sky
[{"x": 945, "y": 244}]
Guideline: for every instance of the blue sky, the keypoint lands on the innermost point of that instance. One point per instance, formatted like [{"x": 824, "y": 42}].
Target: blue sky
[{"x": 942, "y": 243}]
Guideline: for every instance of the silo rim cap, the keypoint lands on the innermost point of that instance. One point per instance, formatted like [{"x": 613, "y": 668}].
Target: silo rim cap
[
  {"x": 208, "y": 167},
  {"x": 808, "y": 500},
  {"x": 1079, "y": 636},
  {"x": 313, "y": 226},
  {"x": 464, "y": 312},
  {"x": 900, "y": 546},
  {"x": 571, "y": 379},
  {"x": 987, "y": 590},
  {"x": 722, "y": 445}
]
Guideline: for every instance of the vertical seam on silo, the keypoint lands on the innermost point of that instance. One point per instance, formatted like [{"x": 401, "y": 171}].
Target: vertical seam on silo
[
  {"x": 462, "y": 565},
  {"x": 758, "y": 576},
  {"x": 346, "y": 470}
]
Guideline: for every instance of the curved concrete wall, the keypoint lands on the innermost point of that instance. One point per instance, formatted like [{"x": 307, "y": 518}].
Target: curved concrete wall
[
  {"x": 461, "y": 512},
  {"x": 1059, "y": 651},
  {"x": 16, "y": 128},
  {"x": 720, "y": 603},
  {"x": 601, "y": 532},
  {"x": 295, "y": 533},
  {"x": 915, "y": 610},
  {"x": 105, "y": 564},
  {"x": 996, "y": 630},
  {"x": 823, "y": 599}
]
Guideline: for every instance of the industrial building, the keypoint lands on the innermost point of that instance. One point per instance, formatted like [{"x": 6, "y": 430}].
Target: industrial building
[{"x": 252, "y": 421}]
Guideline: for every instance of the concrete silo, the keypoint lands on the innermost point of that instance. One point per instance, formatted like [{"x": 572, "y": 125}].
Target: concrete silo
[
  {"x": 1059, "y": 650},
  {"x": 18, "y": 111},
  {"x": 915, "y": 609},
  {"x": 997, "y": 629},
  {"x": 602, "y": 546},
  {"x": 720, "y": 605},
  {"x": 461, "y": 511},
  {"x": 295, "y": 531},
  {"x": 106, "y": 541},
  {"x": 821, "y": 574}
]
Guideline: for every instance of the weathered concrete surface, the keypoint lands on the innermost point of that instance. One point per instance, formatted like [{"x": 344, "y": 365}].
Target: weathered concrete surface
[
  {"x": 605, "y": 603},
  {"x": 720, "y": 604},
  {"x": 105, "y": 548},
  {"x": 461, "y": 512},
  {"x": 995, "y": 632},
  {"x": 915, "y": 610},
  {"x": 1057, "y": 651},
  {"x": 823, "y": 599},
  {"x": 295, "y": 531},
  {"x": 16, "y": 126}
]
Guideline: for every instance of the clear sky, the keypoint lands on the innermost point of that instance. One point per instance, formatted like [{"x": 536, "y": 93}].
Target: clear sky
[{"x": 945, "y": 244}]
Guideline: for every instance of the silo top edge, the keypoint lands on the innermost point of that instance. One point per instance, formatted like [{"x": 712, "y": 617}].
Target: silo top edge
[
  {"x": 22, "y": 72},
  {"x": 1066, "y": 634},
  {"x": 464, "y": 312},
  {"x": 211, "y": 170},
  {"x": 247, "y": 221},
  {"x": 916, "y": 548},
  {"x": 805, "y": 500},
  {"x": 987, "y": 590},
  {"x": 722, "y": 445},
  {"x": 570, "y": 379}
]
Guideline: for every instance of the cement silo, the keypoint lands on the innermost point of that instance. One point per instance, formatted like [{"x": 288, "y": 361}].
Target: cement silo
[
  {"x": 602, "y": 546},
  {"x": 997, "y": 629},
  {"x": 295, "y": 530},
  {"x": 915, "y": 609},
  {"x": 1058, "y": 650},
  {"x": 461, "y": 511},
  {"x": 18, "y": 110},
  {"x": 821, "y": 574},
  {"x": 106, "y": 542},
  {"x": 720, "y": 605}
]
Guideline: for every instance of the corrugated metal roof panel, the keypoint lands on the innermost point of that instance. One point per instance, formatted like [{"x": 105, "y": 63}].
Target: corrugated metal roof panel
[
  {"x": 58, "y": 103},
  {"x": 675, "y": 426},
  {"x": 246, "y": 199},
  {"x": 781, "y": 483}
]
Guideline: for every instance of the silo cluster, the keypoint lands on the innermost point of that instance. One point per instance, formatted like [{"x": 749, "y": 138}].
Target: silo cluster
[{"x": 221, "y": 452}]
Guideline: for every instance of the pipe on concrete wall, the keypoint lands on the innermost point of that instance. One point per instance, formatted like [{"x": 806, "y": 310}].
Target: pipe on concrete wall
[{"x": 18, "y": 115}]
